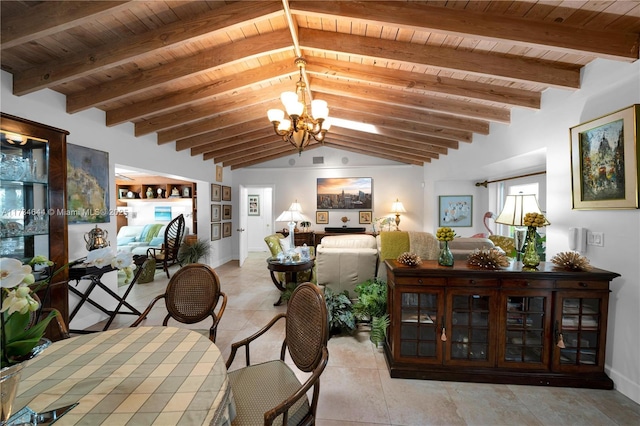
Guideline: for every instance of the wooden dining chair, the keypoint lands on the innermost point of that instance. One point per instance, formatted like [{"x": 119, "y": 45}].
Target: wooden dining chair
[
  {"x": 270, "y": 392},
  {"x": 191, "y": 296},
  {"x": 167, "y": 255}
]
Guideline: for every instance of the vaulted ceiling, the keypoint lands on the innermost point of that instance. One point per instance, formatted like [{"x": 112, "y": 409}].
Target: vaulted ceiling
[{"x": 200, "y": 75}]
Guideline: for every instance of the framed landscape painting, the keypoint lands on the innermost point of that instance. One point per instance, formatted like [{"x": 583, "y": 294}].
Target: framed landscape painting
[{"x": 604, "y": 161}]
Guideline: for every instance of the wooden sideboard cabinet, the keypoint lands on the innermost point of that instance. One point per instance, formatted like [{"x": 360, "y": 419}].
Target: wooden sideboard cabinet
[{"x": 544, "y": 327}]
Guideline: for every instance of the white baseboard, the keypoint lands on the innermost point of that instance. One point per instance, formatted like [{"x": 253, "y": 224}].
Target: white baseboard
[{"x": 625, "y": 386}]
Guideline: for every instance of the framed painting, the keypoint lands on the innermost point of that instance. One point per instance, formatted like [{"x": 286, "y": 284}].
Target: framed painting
[
  {"x": 226, "y": 212},
  {"x": 254, "y": 205},
  {"x": 322, "y": 217},
  {"x": 365, "y": 217},
  {"x": 87, "y": 185},
  {"x": 226, "y": 193},
  {"x": 162, "y": 213},
  {"x": 344, "y": 193},
  {"x": 218, "y": 173},
  {"x": 216, "y": 192},
  {"x": 226, "y": 229},
  {"x": 455, "y": 210},
  {"x": 604, "y": 161},
  {"x": 215, "y": 212},
  {"x": 215, "y": 231}
]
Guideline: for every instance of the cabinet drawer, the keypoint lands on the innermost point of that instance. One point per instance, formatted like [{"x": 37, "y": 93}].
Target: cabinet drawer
[
  {"x": 436, "y": 281},
  {"x": 472, "y": 282},
  {"x": 527, "y": 283},
  {"x": 583, "y": 285}
]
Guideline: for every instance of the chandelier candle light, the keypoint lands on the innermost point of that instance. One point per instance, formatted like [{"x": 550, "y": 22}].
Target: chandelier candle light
[{"x": 301, "y": 126}]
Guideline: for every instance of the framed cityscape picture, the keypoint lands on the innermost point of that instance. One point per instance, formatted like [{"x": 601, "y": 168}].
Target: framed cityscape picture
[{"x": 605, "y": 161}]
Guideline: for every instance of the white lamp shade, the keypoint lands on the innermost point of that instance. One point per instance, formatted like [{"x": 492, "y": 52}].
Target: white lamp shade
[
  {"x": 326, "y": 125},
  {"x": 319, "y": 109},
  {"x": 288, "y": 98},
  {"x": 295, "y": 207},
  {"x": 275, "y": 115},
  {"x": 285, "y": 125},
  {"x": 516, "y": 207},
  {"x": 290, "y": 216},
  {"x": 397, "y": 207}
]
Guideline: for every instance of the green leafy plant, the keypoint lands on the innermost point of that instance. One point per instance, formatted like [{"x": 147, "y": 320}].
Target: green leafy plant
[
  {"x": 372, "y": 306},
  {"x": 379, "y": 326},
  {"x": 193, "y": 251},
  {"x": 340, "y": 311},
  {"x": 372, "y": 299}
]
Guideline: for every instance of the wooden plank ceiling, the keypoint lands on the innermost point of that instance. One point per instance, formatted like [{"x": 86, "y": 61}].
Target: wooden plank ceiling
[{"x": 202, "y": 74}]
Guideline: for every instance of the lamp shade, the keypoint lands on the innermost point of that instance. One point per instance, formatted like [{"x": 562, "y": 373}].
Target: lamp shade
[
  {"x": 290, "y": 216},
  {"x": 397, "y": 207},
  {"x": 516, "y": 207}
]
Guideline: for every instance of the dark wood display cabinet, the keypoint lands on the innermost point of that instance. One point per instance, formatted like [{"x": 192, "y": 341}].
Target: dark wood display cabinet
[
  {"x": 543, "y": 327},
  {"x": 33, "y": 175}
]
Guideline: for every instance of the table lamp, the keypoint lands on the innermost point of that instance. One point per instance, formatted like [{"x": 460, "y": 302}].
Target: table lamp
[
  {"x": 292, "y": 215},
  {"x": 397, "y": 208},
  {"x": 512, "y": 214}
]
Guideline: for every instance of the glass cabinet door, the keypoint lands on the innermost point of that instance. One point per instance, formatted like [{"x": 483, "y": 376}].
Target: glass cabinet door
[
  {"x": 24, "y": 221},
  {"x": 526, "y": 319},
  {"x": 420, "y": 319},
  {"x": 471, "y": 327},
  {"x": 580, "y": 328}
]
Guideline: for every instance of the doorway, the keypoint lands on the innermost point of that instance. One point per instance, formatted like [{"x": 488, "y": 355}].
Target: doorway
[{"x": 256, "y": 218}]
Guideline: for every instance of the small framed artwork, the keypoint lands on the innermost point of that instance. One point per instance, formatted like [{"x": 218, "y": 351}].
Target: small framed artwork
[
  {"x": 122, "y": 193},
  {"x": 365, "y": 217},
  {"x": 226, "y": 193},
  {"x": 215, "y": 231},
  {"x": 322, "y": 217},
  {"x": 216, "y": 212},
  {"x": 254, "y": 205},
  {"x": 455, "y": 210},
  {"x": 216, "y": 192},
  {"x": 605, "y": 159},
  {"x": 226, "y": 229},
  {"x": 226, "y": 212},
  {"x": 218, "y": 173}
]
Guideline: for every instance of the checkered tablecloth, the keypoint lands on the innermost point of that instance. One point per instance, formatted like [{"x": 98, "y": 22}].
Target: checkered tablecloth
[{"x": 135, "y": 376}]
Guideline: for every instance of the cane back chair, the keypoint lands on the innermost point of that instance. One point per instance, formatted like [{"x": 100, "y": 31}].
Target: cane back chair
[
  {"x": 167, "y": 255},
  {"x": 270, "y": 393},
  {"x": 191, "y": 296}
]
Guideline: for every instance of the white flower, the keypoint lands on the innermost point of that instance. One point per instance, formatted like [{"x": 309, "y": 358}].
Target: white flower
[
  {"x": 13, "y": 273},
  {"x": 100, "y": 257},
  {"x": 123, "y": 260},
  {"x": 19, "y": 300}
]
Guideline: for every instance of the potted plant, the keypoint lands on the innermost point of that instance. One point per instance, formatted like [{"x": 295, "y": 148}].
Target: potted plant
[
  {"x": 193, "y": 251},
  {"x": 371, "y": 306},
  {"x": 340, "y": 310}
]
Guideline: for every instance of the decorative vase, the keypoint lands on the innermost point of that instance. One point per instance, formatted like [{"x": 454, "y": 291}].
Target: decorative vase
[
  {"x": 149, "y": 193},
  {"x": 10, "y": 380},
  {"x": 531, "y": 258},
  {"x": 446, "y": 257}
]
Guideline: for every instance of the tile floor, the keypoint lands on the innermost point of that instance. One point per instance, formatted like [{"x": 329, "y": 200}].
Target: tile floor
[{"x": 356, "y": 388}]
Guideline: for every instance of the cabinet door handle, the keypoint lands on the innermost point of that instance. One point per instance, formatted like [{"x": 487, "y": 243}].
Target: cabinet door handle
[
  {"x": 472, "y": 282},
  {"x": 420, "y": 281},
  {"x": 527, "y": 283},
  {"x": 582, "y": 284}
]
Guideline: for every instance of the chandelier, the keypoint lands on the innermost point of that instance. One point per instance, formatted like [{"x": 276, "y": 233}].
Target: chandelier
[{"x": 301, "y": 125}]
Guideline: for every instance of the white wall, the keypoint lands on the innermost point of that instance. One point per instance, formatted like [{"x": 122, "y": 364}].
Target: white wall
[{"x": 88, "y": 129}]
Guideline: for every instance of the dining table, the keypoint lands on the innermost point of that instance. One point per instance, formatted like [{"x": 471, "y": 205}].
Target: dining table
[{"x": 131, "y": 376}]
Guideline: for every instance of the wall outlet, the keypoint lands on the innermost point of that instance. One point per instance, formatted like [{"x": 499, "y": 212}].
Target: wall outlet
[{"x": 595, "y": 238}]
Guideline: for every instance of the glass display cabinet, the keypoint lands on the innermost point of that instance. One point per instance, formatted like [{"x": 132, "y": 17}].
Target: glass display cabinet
[
  {"x": 461, "y": 323},
  {"x": 33, "y": 198}
]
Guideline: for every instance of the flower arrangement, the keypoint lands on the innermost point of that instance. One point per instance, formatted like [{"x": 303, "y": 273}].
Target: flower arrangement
[
  {"x": 445, "y": 234},
  {"x": 537, "y": 220},
  {"x": 382, "y": 222},
  {"x": 18, "y": 336}
]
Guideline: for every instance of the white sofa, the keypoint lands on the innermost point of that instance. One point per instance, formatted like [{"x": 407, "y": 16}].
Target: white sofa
[
  {"x": 344, "y": 261},
  {"x": 137, "y": 239}
]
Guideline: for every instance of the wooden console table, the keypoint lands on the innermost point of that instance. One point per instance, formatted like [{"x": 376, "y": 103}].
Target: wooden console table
[{"x": 544, "y": 327}]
